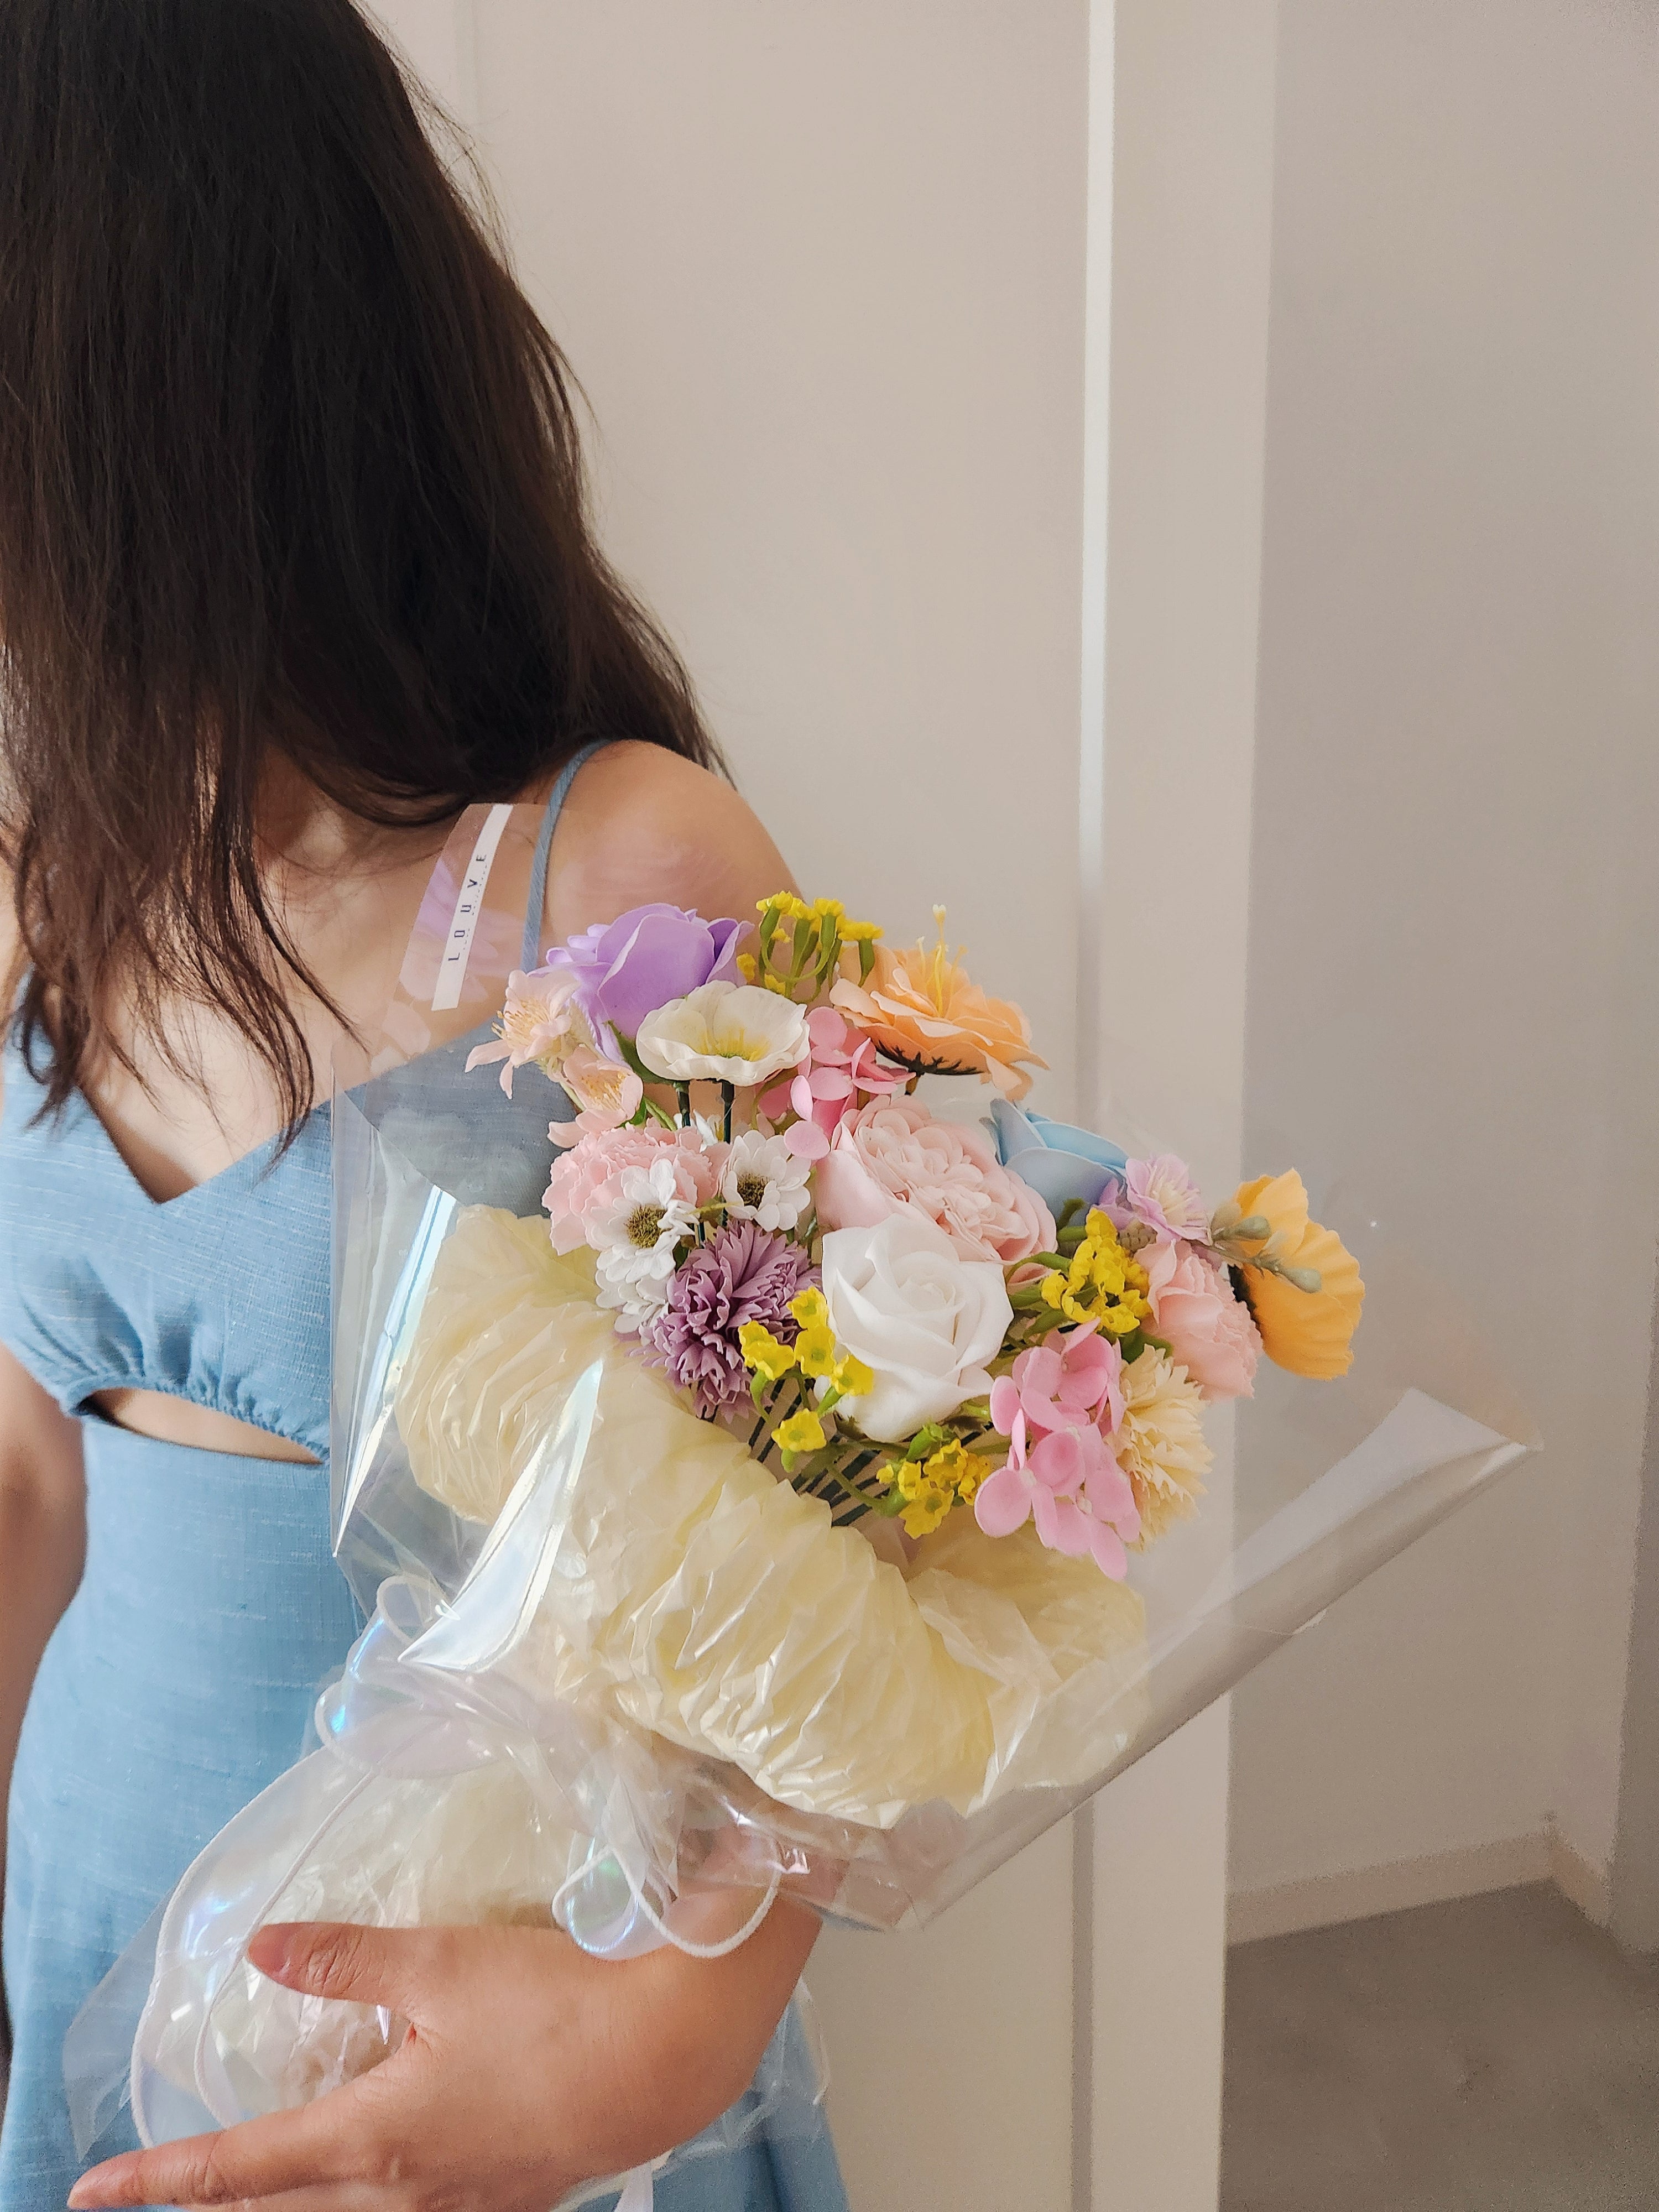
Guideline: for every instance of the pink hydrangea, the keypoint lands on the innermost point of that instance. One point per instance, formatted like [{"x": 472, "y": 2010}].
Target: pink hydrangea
[
  {"x": 1068, "y": 1482},
  {"x": 1073, "y": 1376},
  {"x": 843, "y": 1067},
  {"x": 891, "y": 1155},
  {"x": 583, "y": 1186},
  {"x": 1207, "y": 1329},
  {"x": 1059, "y": 1472}
]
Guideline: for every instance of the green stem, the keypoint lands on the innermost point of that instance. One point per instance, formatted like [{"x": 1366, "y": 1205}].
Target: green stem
[
  {"x": 779, "y": 1410},
  {"x": 727, "y": 1094},
  {"x": 683, "y": 1094},
  {"x": 842, "y": 1474}
]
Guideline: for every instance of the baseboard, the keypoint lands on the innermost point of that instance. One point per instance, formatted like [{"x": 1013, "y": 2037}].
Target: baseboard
[
  {"x": 1327, "y": 1899},
  {"x": 1589, "y": 1886}
]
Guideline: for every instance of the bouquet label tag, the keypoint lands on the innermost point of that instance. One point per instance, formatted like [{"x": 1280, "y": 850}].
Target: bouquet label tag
[{"x": 458, "y": 949}]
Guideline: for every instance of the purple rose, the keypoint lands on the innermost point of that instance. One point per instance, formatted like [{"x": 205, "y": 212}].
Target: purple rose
[
  {"x": 629, "y": 967},
  {"x": 743, "y": 1273}
]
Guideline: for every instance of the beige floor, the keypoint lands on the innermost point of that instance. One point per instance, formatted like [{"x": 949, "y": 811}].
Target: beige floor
[{"x": 1494, "y": 2054}]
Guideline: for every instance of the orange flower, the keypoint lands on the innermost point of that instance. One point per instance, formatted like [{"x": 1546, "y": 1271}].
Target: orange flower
[
  {"x": 1308, "y": 1330},
  {"x": 921, "y": 1008}
]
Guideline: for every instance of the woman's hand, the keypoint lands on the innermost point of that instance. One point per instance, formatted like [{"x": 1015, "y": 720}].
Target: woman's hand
[{"x": 528, "y": 2066}]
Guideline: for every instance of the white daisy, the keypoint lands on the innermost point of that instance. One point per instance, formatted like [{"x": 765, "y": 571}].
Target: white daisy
[
  {"x": 764, "y": 1182},
  {"x": 635, "y": 1241}
]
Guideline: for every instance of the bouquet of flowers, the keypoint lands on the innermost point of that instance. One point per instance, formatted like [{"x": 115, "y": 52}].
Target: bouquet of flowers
[
  {"x": 904, "y": 1317},
  {"x": 783, "y": 1507}
]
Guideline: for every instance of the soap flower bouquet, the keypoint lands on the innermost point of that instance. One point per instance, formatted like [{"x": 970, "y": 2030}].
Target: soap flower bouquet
[
  {"x": 902, "y": 1316},
  {"x": 770, "y": 1512}
]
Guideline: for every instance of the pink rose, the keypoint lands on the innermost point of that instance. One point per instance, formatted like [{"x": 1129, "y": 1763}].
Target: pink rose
[
  {"x": 582, "y": 1188},
  {"x": 892, "y": 1156},
  {"x": 1208, "y": 1329}
]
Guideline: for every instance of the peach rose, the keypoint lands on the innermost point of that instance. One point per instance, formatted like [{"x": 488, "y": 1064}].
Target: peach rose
[
  {"x": 921, "y": 1008},
  {"x": 1208, "y": 1329},
  {"x": 891, "y": 1156}
]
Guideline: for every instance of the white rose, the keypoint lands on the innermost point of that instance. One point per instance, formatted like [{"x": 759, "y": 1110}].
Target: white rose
[
  {"x": 733, "y": 1033},
  {"x": 925, "y": 1320}
]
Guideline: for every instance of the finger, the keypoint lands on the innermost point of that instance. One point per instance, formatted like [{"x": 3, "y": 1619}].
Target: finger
[
  {"x": 324, "y": 2196},
  {"x": 333, "y": 2141},
  {"x": 390, "y": 1967}
]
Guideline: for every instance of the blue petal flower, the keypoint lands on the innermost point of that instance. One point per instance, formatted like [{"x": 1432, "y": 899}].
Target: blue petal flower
[{"x": 1059, "y": 1161}]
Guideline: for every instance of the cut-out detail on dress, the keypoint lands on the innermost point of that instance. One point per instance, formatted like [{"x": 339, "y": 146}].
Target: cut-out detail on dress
[{"x": 166, "y": 1419}]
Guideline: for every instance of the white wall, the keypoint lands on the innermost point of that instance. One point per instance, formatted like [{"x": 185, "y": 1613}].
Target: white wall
[
  {"x": 820, "y": 271},
  {"x": 1452, "y": 977},
  {"x": 1193, "y": 178}
]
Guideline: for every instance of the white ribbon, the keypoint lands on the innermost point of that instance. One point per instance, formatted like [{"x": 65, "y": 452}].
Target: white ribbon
[
  {"x": 469, "y": 903},
  {"x": 639, "y": 2191}
]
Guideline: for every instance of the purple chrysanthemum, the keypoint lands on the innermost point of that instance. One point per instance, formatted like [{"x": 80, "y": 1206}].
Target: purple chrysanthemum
[{"x": 741, "y": 1273}]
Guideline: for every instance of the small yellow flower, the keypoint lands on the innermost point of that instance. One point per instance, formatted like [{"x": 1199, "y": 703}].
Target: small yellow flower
[
  {"x": 1103, "y": 1282},
  {"x": 860, "y": 933},
  {"x": 1119, "y": 1320},
  {"x": 801, "y": 1432},
  {"x": 809, "y": 1309},
  {"x": 762, "y": 1351},
  {"x": 852, "y": 1378},
  {"x": 952, "y": 1466},
  {"x": 815, "y": 1350},
  {"x": 748, "y": 967},
  {"x": 931, "y": 1486},
  {"x": 927, "y": 1498}
]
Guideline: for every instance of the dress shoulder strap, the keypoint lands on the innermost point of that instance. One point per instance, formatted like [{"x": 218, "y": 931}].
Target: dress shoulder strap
[{"x": 536, "y": 904}]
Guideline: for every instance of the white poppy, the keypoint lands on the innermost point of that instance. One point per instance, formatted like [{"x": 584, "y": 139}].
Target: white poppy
[
  {"x": 764, "y": 1181},
  {"x": 733, "y": 1033},
  {"x": 925, "y": 1320}
]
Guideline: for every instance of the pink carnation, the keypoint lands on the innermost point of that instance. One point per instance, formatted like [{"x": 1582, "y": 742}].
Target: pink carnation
[
  {"x": 583, "y": 1184},
  {"x": 1208, "y": 1329},
  {"x": 891, "y": 1155},
  {"x": 1161, "y": 1192}
]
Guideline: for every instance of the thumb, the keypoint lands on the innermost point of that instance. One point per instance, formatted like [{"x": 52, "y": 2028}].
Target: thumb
[{"x": 390, "y": 1967}]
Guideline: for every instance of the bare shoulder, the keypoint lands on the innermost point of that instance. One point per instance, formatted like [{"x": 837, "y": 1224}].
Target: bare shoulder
[{"x": 642, "y": 824}]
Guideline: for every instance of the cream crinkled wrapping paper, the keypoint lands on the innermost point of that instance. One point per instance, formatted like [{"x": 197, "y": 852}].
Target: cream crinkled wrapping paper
[{"x": 704, "y": 1601}]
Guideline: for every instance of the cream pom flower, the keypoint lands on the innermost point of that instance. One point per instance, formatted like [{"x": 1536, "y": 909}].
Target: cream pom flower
[
  {"x": 1160, "y": 1443},
  {"x": 733, "y": 1033},
  {"x": 764, "y": 1182}
]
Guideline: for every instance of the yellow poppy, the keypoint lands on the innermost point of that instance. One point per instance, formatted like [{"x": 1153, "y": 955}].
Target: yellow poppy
[{"x": 1309, "y": 1331}]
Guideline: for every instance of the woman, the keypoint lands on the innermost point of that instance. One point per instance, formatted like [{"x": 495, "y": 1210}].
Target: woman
[{"x": 294, "y": 566}]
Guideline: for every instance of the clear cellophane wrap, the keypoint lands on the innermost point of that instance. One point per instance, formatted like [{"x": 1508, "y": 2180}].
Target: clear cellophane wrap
[{"x": 618, "y": 1676}]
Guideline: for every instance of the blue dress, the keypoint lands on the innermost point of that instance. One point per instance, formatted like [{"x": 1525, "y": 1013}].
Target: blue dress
[{"x": 180, "y": 1681}]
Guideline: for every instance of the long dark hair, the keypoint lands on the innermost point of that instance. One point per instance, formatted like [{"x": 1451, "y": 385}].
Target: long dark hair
[{"x": 287, "y": 461}]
